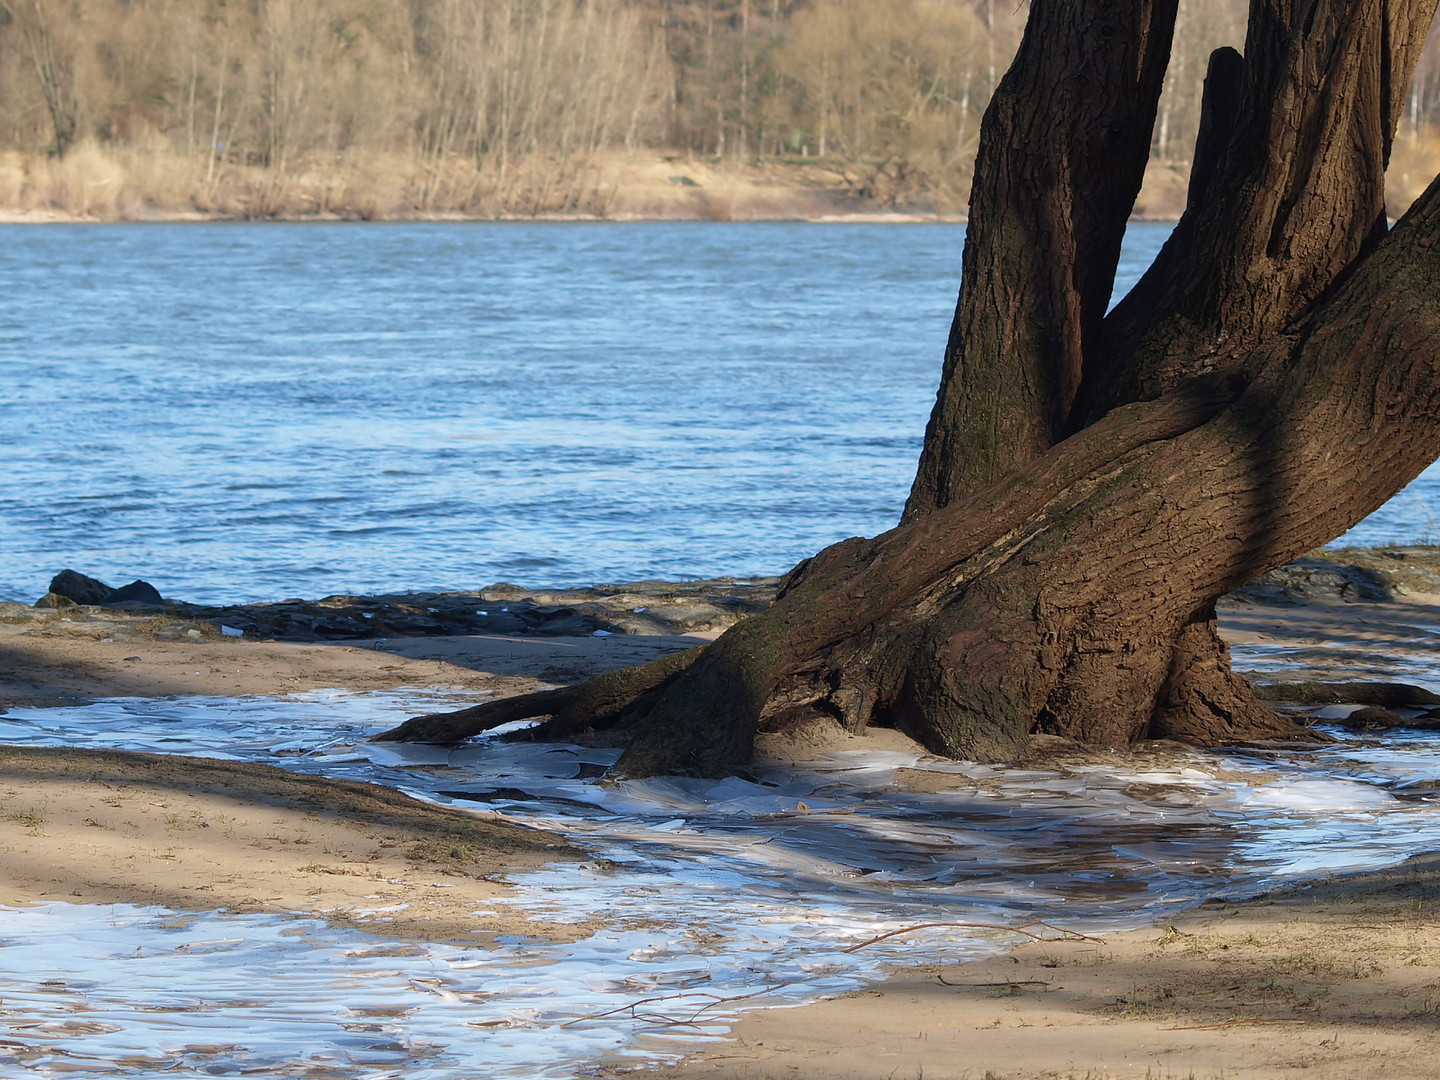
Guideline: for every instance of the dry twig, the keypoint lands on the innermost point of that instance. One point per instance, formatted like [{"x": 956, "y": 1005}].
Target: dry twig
[
  {"x": 1006, "y": 983},
  {"x": 716, "y": 999},
  {"x": 1064, "y": 935},
  {"x": 1236, "y": 1021}
]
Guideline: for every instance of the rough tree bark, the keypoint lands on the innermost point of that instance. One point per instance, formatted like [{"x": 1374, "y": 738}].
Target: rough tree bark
[{"x": 1091, "y": 483}]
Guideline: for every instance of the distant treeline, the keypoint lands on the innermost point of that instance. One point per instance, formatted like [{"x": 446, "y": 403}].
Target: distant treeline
[{"x": 502, "y": 103}]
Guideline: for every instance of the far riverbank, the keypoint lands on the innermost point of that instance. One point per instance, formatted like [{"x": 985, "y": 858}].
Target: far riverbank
[
  {"x": 104, "y": 184},
  {"x": 101, "y": 183}
]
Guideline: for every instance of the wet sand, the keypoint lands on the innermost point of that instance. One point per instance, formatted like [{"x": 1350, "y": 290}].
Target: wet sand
[{"x": 1332, "y": 980}]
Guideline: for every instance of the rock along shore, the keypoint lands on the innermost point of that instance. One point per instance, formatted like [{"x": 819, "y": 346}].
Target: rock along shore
[
  {"x": 644, "y": 607},
  {"x": 137, "y": 611}
]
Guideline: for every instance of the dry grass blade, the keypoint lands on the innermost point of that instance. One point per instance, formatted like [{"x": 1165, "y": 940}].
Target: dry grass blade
[{"x": 1007, "y": 984}]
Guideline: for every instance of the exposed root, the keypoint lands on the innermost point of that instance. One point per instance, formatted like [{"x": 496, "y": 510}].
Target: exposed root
[
  {"x": 594, "y": 704},
  {"x": 454, "y": 727}
]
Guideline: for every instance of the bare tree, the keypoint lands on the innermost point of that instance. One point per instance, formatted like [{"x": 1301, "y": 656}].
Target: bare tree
[{"x": 52, "y": 64}]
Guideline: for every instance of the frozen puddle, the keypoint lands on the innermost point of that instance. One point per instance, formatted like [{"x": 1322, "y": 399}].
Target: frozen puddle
[{"x": 716, "y": 897}]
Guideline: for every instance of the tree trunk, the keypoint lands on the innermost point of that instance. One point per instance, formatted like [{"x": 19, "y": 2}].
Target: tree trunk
[
  {"x": 53, "y": 71},
  {"x": 1091, "y": 484}
]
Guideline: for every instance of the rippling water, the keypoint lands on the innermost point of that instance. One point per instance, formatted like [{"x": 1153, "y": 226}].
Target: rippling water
[{"x": 248, "y": 412}]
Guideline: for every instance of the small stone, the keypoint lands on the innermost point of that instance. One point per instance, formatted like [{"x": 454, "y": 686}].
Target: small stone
[{"x": 1373, "y": 718}]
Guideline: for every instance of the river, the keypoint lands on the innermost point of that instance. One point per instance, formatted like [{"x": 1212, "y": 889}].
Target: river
[{"x": 249, "y": 412}]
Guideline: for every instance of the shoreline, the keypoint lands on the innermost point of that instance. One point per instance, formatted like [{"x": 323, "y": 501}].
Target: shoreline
[
  {"x": 1319, "y": 981},
  {"x": 1366, "y": 613},
  {"x": 858, "y": 217},
  {"x": 96, "y": 184}
]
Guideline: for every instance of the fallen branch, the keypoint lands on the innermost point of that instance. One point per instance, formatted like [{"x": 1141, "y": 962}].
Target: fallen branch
[
  {"x": 661, "y": 1018},
  {"x": 1065, "y": 935},
  {"x": 1239, "y": 1020},
  {"x": 717, "y": 999},
  {"x": 1007, "y": 983}
]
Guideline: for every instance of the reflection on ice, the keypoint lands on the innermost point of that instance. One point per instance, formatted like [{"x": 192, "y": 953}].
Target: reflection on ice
[
  {"x": 1320, "y": 796},
  {"x": 122, "y": 990},
  {"x": 709, "y": 891}
]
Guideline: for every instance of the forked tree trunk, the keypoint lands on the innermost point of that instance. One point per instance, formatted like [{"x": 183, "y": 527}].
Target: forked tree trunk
[{"x": 1091, "y": 484}]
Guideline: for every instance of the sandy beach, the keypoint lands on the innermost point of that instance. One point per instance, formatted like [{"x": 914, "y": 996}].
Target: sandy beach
[{"x": 1326, "y": 980}]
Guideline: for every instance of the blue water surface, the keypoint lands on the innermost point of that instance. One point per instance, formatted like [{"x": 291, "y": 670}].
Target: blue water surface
[{"x": 251, "y": 412}]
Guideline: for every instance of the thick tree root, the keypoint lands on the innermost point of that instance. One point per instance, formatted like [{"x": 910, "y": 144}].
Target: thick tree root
[
  {"x": 595, "y": 703},
  {"x": 452, "y": 727}
]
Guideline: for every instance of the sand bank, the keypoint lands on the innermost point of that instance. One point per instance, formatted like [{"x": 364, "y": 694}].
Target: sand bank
[
  {"x": 112, "y": 827},
  {"x": 106, "y": 827}
]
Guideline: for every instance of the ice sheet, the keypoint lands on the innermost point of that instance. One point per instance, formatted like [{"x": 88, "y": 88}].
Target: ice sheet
[{"x": 728, "y": 889}]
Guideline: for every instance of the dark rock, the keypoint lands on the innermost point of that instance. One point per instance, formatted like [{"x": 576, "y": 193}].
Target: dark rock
[
  {"x": 647, "y": 607},
  {"x": 1313, "y": 579},
  {"x": 182, "y": 631},
  {"x": 1385, "y": 694},
  {"x": 342, "y": 628},
  {"x": 1373, "y": 718},
  {"x": 566, "y": 622},
  {"x": 1412, "y": 568},
  {"x": 137, "y": 593},
  {"x": 75, "y": 586}
]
